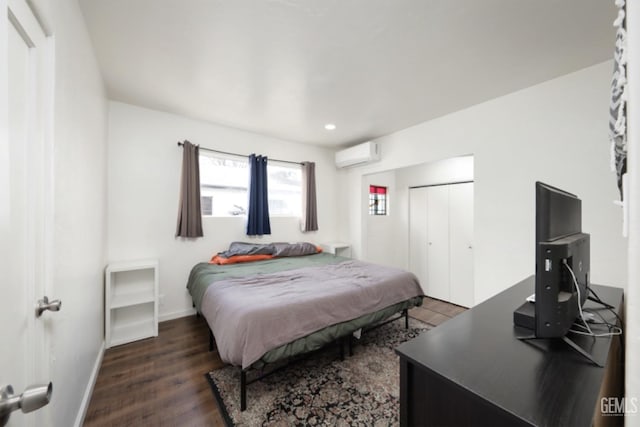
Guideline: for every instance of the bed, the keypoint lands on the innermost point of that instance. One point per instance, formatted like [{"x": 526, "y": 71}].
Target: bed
[{"x": 271, "y": 310}]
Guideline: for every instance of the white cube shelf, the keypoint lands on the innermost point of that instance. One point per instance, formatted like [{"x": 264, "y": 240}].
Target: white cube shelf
[{"x": 131, "y": 301}]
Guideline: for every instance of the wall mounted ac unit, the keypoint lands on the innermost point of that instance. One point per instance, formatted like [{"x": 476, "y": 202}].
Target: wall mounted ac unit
[{"x": 360, "y": 154}]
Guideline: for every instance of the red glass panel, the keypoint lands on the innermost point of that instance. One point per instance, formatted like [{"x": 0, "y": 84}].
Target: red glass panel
[{"x": 374, "y": 189}]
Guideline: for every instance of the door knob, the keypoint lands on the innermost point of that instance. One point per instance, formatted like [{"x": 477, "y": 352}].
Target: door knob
[
  {"x": 34, "y": 397},
  {"x": 45, "y": 304}
]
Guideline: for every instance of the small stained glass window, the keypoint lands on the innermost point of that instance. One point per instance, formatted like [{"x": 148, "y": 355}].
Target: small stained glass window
[{"x": 377, "y": 200}]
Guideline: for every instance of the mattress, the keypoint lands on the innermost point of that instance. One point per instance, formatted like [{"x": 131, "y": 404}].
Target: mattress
[{"x": 271, "y": 309}]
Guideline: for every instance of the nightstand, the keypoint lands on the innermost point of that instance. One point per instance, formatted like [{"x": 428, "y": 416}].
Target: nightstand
[{"x": 337, "y": 248}]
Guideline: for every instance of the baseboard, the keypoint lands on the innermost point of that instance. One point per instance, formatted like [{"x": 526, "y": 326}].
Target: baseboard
[
  {"x": 84, "y": 406},
  {"x": 176, "y": 314}
]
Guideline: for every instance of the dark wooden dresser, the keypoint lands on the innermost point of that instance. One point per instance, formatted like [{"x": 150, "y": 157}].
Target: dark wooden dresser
[{"x": 473, "y": 370}]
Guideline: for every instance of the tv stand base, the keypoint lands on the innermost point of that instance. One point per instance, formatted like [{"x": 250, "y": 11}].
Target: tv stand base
[
  {"x": 572, "y": 344},
  {"x": 580, "y": 350}
]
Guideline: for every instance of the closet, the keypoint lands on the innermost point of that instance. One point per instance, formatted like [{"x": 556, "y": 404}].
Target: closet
[{"x": 440, "y": 241}]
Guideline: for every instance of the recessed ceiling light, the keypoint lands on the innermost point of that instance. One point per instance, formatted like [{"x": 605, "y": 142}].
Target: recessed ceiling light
[{"x": 330, "y": 126}]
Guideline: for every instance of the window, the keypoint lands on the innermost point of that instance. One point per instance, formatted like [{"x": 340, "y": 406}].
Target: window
[
  {"x": 377, "y": 200},
  {"x": 206, "y": 205},
  {"x": 285, "y": 189},
  {"x": 224, "y": 187}
]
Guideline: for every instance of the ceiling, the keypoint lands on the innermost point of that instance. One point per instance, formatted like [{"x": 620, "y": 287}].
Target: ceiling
[{"x": 285, "y": 68}]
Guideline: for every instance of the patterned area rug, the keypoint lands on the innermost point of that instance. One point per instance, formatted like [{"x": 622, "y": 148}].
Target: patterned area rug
[{"x": 321, "y": 389}]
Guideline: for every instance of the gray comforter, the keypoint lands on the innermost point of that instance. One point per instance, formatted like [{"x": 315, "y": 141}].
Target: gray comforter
[{"x": 251, "y": 315}]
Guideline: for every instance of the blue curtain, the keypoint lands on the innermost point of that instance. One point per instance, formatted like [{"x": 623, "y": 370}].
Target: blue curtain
[{"x": 258, "y": 218}]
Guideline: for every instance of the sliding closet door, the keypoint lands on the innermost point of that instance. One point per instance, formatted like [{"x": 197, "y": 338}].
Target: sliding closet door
[
  {"x": 441, "y": 241},
  {"x": 438, "y": 242},
  {"x": 461, "y": 243},
  {"x": 418, "y": 234}
]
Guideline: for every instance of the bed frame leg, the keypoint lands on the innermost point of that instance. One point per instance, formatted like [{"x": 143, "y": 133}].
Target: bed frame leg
[
  {"x": 243, "y": 389},
  {"x": 350, "y": 344},
  {"x": 193, "y": 304},
  {"x": 210, "y": 340},
  {"x": 341, "y": 345},
  {"x": 406, "y": 318}
]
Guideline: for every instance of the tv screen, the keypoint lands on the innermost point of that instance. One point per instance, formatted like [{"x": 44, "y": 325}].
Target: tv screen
[
  {"x": 558, "y": 213},
  {"x": 562, "y": 261}
]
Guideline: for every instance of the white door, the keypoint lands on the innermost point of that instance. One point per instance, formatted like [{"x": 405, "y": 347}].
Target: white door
[
  {"x": 438, "y": 242},
  {"x": 461, "y": 243},
  {"x": 24, "y": 169},
  {"x": 418, "y": 235}
]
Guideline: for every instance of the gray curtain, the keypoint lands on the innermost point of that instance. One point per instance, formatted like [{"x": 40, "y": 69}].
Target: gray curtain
[
  {"x": 189, "y": 213},
  {"x": 309, "y": 204}
]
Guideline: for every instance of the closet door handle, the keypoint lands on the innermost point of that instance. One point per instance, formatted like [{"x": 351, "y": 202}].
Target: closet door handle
[{"x": 44, "y": 304}]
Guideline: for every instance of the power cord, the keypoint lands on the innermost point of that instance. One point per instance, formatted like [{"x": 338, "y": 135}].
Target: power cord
[
  {"x": 575, "y": 282},
  {"x": 598, "y": 300},
  {"x": 613, "y": 330}
]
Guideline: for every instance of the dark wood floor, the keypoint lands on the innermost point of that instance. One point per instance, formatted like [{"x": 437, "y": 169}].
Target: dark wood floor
[
  {"x": 157, "y": 381},
  {"x": 160, "y": 381}
]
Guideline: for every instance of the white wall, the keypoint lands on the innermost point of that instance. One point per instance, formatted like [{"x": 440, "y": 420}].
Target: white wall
[
  {"x": 632, "y": 297},
  {"x": 80, "y": 137},
  {"x": 455, "y": 169},
  {"x": 144, "y": 177},
  {"x": 380, "y": 231},
  {"x": 555, "y": 132}
]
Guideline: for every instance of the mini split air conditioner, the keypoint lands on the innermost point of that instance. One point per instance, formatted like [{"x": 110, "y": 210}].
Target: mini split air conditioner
[{"x": 360, "y": 154}]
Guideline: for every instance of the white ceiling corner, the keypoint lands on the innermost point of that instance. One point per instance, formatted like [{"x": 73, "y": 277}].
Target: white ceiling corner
[{"x": 285, "y": 68}]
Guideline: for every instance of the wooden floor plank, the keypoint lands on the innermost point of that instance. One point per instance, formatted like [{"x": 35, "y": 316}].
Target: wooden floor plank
[{"x": 160, "y": 381}]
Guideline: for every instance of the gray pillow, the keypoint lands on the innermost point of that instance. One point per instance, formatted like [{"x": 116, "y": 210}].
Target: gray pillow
[
  {"x": 244, "y": 248},
  {"x": 294, "y": 249}
]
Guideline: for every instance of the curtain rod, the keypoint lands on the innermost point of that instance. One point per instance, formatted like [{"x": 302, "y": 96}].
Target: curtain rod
[{"x": 240, "y": 155}]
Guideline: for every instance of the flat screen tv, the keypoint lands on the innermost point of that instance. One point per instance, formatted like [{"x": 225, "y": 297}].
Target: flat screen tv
[{"x": 562, "y": 261}]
